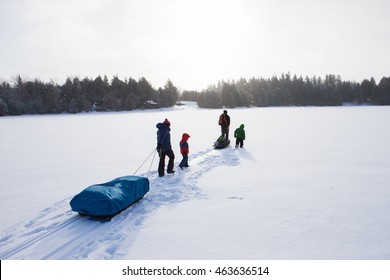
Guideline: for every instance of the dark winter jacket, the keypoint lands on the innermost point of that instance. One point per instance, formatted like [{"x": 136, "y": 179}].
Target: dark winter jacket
[
  {"x": 184, "y": 147},
  {"x": 163, "y": 136},
  {"x": 224, "y": 120},
  {"x": 239, "y": 133}
]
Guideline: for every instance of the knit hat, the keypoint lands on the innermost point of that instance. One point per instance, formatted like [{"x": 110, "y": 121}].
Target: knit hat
[{"x": 166, "y": 122}]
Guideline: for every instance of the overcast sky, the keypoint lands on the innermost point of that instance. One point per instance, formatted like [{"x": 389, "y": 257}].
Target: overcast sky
[{"x": 193, "y": 43}]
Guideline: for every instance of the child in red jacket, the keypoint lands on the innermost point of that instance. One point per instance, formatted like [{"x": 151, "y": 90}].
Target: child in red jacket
[{"x": 184, "y": 150}]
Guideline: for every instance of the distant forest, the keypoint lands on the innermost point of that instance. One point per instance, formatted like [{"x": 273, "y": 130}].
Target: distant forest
[
  {"x": 88, "y": 95},
  {"x": 290, "y": 90}
]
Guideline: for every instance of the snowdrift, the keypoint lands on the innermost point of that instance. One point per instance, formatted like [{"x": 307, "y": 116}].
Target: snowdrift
[{"x": 108, "y": 199}]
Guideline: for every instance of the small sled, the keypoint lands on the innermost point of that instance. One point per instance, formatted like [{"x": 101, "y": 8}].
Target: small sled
[
  {"x": 221, "y": 143},
  {"x": 104, "y": 201}
]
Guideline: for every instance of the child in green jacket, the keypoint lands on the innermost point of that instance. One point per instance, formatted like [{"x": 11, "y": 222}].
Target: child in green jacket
[{"x": 239, "y": 134}]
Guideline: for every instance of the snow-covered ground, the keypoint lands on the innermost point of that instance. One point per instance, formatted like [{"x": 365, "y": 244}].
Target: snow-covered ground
[{"x": 310, "y": 183}]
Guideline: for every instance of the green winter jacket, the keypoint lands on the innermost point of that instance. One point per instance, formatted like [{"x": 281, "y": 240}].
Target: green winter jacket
[{"x": 240, "y": 132}]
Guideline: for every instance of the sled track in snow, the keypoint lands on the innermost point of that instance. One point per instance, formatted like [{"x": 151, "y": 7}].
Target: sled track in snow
[
  {"x": 27, "y": 243},
  {"x": 58, "y": 233}
]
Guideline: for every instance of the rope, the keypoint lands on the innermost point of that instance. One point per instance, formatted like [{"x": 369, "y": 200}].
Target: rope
[
  {"x": 150, "y": 167},
  {"x": 153, "y": 152}
]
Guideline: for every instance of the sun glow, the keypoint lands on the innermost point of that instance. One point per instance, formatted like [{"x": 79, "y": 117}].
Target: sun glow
[
  {"x": 195, "y": 43},
  {"x": 210, "y": 41}
]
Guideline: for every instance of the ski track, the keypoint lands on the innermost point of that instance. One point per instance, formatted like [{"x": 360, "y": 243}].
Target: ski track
[{"x": 85, "y": 238}]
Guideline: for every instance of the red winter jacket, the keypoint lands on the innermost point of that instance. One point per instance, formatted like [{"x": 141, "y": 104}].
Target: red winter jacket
[{"x": 184, "y": 148}]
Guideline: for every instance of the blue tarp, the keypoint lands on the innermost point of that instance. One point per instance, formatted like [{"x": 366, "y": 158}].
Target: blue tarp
[{"x": 108, "y": 199}]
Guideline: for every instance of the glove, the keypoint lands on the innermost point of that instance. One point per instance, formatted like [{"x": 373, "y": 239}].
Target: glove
[{"x": 158, "y": 148}]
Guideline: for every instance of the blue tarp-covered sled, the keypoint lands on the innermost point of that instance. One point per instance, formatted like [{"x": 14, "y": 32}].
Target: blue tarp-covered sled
[{"x": 108, "y": 199}]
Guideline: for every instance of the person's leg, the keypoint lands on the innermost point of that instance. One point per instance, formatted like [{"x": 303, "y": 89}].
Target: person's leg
[
  {"x": 171, "y": 160},
  {"x": 161, "y": 164},
  {"x": 223, "y": 131},
  {"x": 182, "y": 163}
]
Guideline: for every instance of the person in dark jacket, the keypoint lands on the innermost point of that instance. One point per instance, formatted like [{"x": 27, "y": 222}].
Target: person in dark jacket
[
  {"x": 164, "y": 147},
  {"x": 184, "y": 150},
  {"x": 224, "y": 122},
  {"x": 239, "y": 134}
]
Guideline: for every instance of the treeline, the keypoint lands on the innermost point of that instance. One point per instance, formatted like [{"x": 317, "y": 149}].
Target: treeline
[
  {"x": 288, "y": 90},
  {"x": 87, "y": 95}
]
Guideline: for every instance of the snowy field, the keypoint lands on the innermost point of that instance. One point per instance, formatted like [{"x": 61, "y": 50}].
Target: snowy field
[{"x": 310, "y": 183}]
